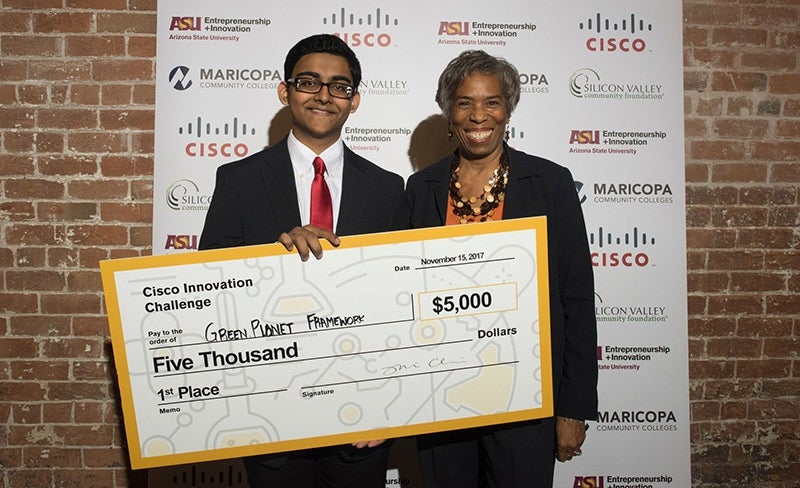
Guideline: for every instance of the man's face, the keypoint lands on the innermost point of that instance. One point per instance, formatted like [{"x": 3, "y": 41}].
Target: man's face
[{"x": 317, "y": 118}]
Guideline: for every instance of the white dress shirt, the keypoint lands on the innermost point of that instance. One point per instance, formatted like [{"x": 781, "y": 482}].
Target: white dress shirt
[{"x": 303, "y": 165}]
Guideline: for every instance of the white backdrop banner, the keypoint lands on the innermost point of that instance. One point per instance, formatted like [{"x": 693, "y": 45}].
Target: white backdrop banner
[{"x": 602, "y": 94}]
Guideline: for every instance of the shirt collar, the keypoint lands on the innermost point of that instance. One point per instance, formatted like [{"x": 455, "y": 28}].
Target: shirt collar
[{"x": 302, "y": 157}]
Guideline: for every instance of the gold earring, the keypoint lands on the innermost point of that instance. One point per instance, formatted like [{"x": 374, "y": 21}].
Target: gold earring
[
  {"x": 449, "y": 136},
  {"x": 508, "y": 135}
]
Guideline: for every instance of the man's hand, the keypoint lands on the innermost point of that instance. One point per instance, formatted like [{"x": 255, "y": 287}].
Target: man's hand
[
  {"x": 306, "y": 240},
  {"x": 363, "y": 444},
  {"x": 570, "y": 434}
]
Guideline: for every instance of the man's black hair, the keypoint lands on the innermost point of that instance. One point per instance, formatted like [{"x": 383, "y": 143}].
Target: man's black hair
[{"x": 323, "y": 43}]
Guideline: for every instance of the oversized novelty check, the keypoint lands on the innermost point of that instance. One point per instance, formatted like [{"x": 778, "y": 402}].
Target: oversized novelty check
[{"x": 244, "y": 351}]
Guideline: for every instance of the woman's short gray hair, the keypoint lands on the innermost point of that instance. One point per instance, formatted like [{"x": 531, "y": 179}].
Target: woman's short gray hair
[{"x": 469, "y": 62}]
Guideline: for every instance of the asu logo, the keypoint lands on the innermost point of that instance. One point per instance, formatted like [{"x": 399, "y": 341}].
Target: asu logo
[
  {"x": 184, "y": 241},
  {"x": 588, "y": 482},
  {"x": 584, "y": 137},
  {"x": 454, "y": 28},
  {"x": 185, "y": 24}
]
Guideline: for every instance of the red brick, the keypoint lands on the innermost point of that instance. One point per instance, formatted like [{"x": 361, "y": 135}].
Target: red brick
[
  {"x": 788, "y": 128},
  {"x": 71, "y": 70},
  {"x": 741, "y": 128},
  {"x": 35, "y": 280},
  {"x": 739, "y": 37},
  {"x": 117, "y": 166},
  {"x": 97, "y": 4},
  {"x": 84, "y": 281},
  {"x": 72, "y": 303},
  {"x": 113, "y": 94},
  {"x": 87, "y": 94},
  {"x": 17, "y": 210},
  {"x": 142, "y": 46},
  {"x": 735, "y": 304},
  {"x": 91, "y": 326},
  {"x": 30, "y": 257},
  {"x": 62, "y": 22},
  {"x": 771, "y": 62},
  {"x": 709, "y": 14},
  {"x": 92, "y": 46},
  {"x": 788, "y": 84},
  {"x": 97, "y": 142},
  {"x": 783, "y": 347},
  {"x": 67, "y": 119},
  {"x": 16, "y": 165},
  {"x": 40, "y": 325},
  {"x": 92, "y": 371},
  {"x": 20, "y": 142},
  {"x": 52, "y": 457},
  {"x": 766, "y": 368},
  {"x": 22, "y": 391},
  {"x": 117, "y": 70},
  {"x": 127, "y": 119},
  {"x": 739, "y": 173},
  {"x": 783, "y": 304},
  {"x": 14, "y": 21},
  {"x": 32, "y": 94},
  {"x": 68, "y": 211},
  {"x": 126, "y": 212},
  {"x": 770, "y": 16},
  {"x": 31, "y": 46},
  {"x": 776, "y": 151},
  {"x": 61, "y": 165},
  {"x": 98, "y": 189},
  {"x": 144, "y": 94},
  {"x": 33, "y": 235},
  {"x": 27, "y": 413},
  {"x": 766, "y": 238},
  {"x": 785, "y": 173},
  {"x": 98, "y": 235},
  {"x": 707, "y": 282},
  {"x": 717, "y": 150},
  {"x": 83, "y": 478},
  {"x": 13, "y": 70},
  {"x": 27, "y": 478},
  {"x": 139, "y": 23},
  {"x": 739, "y": 82},
  {"x": 40, "y": 370},
  {"x": 711, "y": 369},
  {"x": 34, "y": 188},
  {"x": 17, "y": 118}
]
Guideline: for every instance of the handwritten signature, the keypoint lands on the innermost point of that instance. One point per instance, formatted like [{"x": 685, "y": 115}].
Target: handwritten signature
[{"x": 434, "y": 363}]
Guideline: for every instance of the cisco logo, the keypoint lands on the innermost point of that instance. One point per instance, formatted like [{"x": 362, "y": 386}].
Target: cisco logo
[
  {"x": 362, "y": 30},
  {"x": 616, "y": 35}
]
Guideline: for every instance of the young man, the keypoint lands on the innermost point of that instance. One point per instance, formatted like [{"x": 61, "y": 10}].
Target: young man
[{"x": 278, "y": 195}]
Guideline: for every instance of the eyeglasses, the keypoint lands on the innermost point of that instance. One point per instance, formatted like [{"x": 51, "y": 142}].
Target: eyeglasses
[{"x": 312, "y": 85}]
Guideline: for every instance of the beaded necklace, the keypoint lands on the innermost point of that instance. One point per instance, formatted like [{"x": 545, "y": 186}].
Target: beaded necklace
[{"x": 468, "y": 209}]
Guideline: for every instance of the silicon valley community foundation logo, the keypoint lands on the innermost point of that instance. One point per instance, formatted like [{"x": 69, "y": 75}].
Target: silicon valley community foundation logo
[{"x": 587, "y": 84}]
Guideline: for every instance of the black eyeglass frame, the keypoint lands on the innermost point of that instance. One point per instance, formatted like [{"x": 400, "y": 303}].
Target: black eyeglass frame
[{"x": 296, "y": 83}]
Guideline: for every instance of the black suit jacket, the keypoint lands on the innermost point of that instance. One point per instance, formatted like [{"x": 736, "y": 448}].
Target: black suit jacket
[
  {"x": 255, "y": 200},
  {"x": 537, "y": 186}
]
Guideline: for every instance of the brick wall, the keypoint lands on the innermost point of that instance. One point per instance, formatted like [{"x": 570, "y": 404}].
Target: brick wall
[{"x": 76, "y": 144}]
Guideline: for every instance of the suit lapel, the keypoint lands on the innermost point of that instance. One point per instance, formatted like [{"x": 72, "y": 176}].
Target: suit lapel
[
  {"x": 523, "y": 194},
  {"x": 278, "y": 178},
  {"x": 354, "y": 187}
]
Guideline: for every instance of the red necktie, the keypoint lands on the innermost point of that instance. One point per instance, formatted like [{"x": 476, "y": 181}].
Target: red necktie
[{"x": 321, "y": 206}]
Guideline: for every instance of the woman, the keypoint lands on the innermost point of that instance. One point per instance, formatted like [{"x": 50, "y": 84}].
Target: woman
[{"x": 487, "y": 180}]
